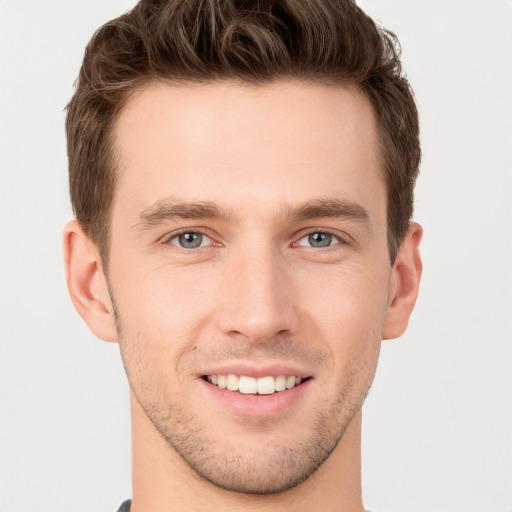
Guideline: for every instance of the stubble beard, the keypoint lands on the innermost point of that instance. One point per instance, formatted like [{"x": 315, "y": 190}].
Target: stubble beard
[{"x": 268, "y": 468}]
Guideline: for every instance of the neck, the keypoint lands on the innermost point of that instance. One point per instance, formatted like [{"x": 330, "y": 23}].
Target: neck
[{"x": 163, "y": 482}]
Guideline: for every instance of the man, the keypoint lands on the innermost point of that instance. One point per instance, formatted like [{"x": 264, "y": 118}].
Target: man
[{"x": 242, "y": 176}]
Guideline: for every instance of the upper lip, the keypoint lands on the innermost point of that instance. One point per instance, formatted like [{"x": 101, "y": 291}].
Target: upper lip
[{"x": 255, "y": 370}]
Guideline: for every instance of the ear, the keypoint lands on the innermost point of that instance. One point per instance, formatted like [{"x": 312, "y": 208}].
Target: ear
[
  {"x": 87, "y": 283},
  {"x": 405, "y": 282}
]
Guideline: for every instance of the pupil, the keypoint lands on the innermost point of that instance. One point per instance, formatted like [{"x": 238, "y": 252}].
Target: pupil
[
  {"x": 320, "y": 239},
  {"x": 190, "y": 240}
]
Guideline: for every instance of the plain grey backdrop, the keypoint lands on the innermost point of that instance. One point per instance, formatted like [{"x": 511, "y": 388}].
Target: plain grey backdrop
[{"x": 438, "y": 422}]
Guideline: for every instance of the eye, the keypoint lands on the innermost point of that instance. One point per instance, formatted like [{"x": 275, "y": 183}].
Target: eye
[
  {"x": 190, "y": 240},
  {"x": 319, "y": 239}
]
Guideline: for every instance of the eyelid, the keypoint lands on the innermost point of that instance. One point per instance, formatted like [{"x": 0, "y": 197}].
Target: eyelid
[
  {"x": 342, "y": 238},
  {"x": 166, "y": 239}
]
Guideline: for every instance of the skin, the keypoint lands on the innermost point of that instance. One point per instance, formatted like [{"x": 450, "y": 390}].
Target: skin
[{"x": 265, "y": 161}]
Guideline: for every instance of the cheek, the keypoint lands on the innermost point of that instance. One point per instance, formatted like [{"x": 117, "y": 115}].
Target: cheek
[
  {"x": 348, "y": 292},
  {"x": 347, "y": 306},
  {"x": 161, "y": 313},
  {"x": 163, "y": 294}
]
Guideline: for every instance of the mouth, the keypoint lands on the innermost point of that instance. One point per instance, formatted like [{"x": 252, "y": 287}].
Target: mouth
[{"x": 246, "y": 385}]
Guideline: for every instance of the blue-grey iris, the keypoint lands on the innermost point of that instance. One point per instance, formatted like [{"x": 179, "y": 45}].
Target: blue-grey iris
[
  {"x": 320, "y": 239},
  {"x": 190, "y": 240}
]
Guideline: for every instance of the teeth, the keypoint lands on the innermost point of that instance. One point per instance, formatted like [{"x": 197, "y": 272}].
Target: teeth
[
  {"x": 266, "y": 385},
  {"x": 281, "y": 383},
  {"x": 247, "y": 385},
  {"x": 232, "y": 382},
  {"x": 252, "y": 386},
  {"x": 290, "y": 382},
  {"x": 221, "y": 381}
]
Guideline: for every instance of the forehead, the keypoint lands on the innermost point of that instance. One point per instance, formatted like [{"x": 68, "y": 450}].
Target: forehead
[{"x": 239, "y": 144}]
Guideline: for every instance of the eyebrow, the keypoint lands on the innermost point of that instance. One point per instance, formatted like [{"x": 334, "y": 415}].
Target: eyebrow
[
  {"x": 171, "y": 209},
  {"x": 330, "y": 208}
]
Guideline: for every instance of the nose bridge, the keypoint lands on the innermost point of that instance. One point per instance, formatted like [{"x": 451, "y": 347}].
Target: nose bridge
[{"x": 259, "y": 299}]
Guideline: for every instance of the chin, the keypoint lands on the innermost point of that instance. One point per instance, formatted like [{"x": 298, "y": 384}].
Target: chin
[{"x": 266, "y": 465}]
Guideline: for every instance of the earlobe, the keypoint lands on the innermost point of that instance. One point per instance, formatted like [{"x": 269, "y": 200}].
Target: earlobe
[
  {"x": 405, "y": 281},
  {"x": 87, "y": 283}
]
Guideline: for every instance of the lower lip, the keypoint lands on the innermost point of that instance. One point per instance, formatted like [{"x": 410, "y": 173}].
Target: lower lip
[{"x": 257, "y": 405}]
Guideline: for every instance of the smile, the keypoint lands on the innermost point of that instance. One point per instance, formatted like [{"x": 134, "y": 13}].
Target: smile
[{"x": 252, "y": 385}]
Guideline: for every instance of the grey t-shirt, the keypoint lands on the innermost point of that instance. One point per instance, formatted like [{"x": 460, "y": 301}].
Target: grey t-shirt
[{"x": 125, "y": 507}]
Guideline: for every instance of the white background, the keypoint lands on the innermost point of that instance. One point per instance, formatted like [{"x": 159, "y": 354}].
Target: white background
[{"x": 438, "y": 423}]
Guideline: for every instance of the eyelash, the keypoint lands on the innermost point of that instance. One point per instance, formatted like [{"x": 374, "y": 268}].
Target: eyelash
[
  {"x": 168, "y": 238},
  {"x": 341, "y": 240}
]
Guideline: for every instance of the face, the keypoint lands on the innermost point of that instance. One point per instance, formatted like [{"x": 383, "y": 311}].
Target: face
[{"x": 250, "y": 272}]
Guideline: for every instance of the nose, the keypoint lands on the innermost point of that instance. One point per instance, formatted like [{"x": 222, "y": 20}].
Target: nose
[{"x": 258, "y": 298}]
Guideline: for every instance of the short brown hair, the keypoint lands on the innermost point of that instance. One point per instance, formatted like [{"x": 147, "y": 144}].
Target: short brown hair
[{"x": 257, "y": 41}]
